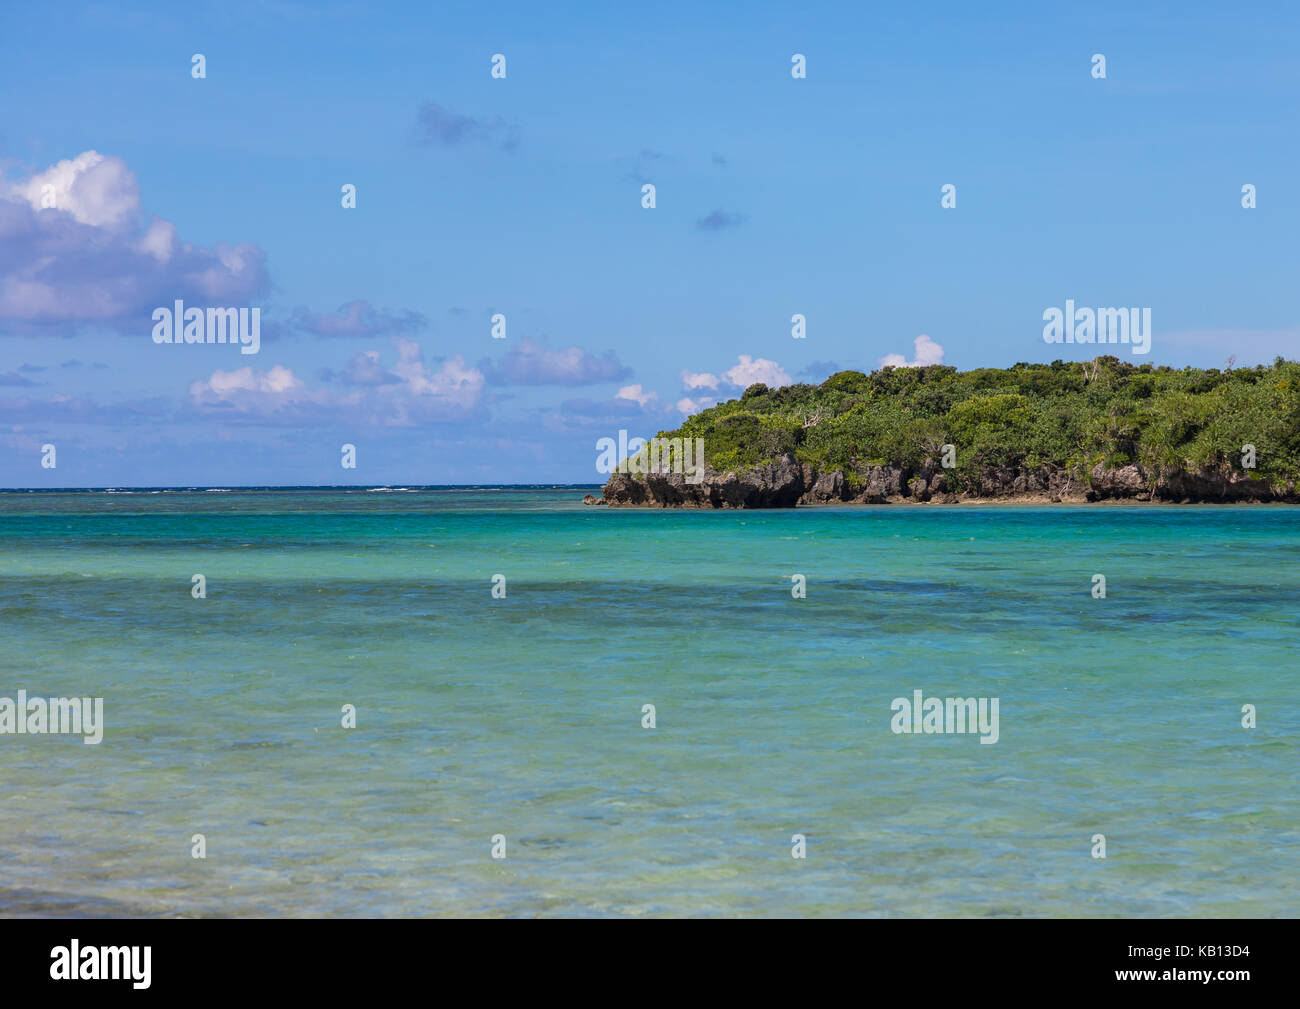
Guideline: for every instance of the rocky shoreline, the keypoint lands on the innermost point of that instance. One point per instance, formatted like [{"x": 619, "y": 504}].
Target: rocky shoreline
[{"x": 786, "y": 483}]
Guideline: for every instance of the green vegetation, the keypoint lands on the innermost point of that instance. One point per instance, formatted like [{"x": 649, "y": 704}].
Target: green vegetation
[{"x": 1064, "y": 414}]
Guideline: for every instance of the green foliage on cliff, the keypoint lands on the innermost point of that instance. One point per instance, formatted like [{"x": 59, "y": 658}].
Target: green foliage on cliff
[{"x": 1059, "y": 414}]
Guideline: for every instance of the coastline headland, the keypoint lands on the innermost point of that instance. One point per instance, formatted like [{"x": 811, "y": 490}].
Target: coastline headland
[{"x": 1065, "y": 432}]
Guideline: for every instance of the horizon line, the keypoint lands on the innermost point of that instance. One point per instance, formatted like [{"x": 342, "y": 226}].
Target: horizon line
[{"x": 250, "y": 487}]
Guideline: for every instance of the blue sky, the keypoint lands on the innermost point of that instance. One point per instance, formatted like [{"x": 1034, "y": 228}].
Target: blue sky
[{"x": 522, "y": 196}]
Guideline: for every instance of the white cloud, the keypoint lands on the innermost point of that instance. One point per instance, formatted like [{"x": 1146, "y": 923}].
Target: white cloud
[
  {"x": 926, "y": 350},
  {"x": 96, "y": 257},
  {"x": 532, "y": 363},
  {"x": 751, "y": 370},
  {"x": 94, "y": 189},
  {"x": 699, "y": 380},
  {"x": 410, "y": 393},
  {"x": 689, "y": 406},
  {"x": 159, "y": 240},
  {"x": 244, "y": 384},
  {"x": 364, "y": 368},
  {"x": 454, "y": 383},
  {"x": 637, "y": 395}
]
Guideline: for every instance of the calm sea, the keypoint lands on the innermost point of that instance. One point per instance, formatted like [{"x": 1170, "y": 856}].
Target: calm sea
[{"x": 522, "y": 716}]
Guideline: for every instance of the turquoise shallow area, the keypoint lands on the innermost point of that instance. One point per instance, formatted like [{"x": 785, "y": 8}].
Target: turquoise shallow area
[{"x": 521, "y": 716}]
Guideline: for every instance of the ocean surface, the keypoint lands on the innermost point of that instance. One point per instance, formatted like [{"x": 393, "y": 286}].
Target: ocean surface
[{"x": 522, "y": 716}]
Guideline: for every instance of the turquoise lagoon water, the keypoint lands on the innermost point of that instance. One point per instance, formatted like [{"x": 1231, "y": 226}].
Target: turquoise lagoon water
[{"x": 522, "y": 716}]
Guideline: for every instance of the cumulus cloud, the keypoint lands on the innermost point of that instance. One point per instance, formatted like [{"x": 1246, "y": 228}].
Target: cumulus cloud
[
  {"x": 93, "y": 257},
  {"x": 720, "y": 220},
  {"x": 637, "y": 395},
  {"x": 452, "y": 384},
  {"x": 441, "y": 127},
  {"x": 357, "y": 318},
  {"x": 364, "y": 369},
  {"x": 699, "y": 380},
  {"x": 688, "y": 406},
  {"x": 246, "y": 386},
  {"x": 925, "y": 349},
  {"x": 750, "y": 370},
  {"x": 410, "y": 390},
  {"x": 91, "y": 188},
  {"x": 532, "y": 363}
]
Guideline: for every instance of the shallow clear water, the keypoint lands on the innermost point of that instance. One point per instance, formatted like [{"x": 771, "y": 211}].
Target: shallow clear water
[{"x": 522, "y": 716}]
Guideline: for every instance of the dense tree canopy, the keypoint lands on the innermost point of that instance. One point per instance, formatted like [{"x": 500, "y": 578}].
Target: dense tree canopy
[{"x": 1064, "y": 414}]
